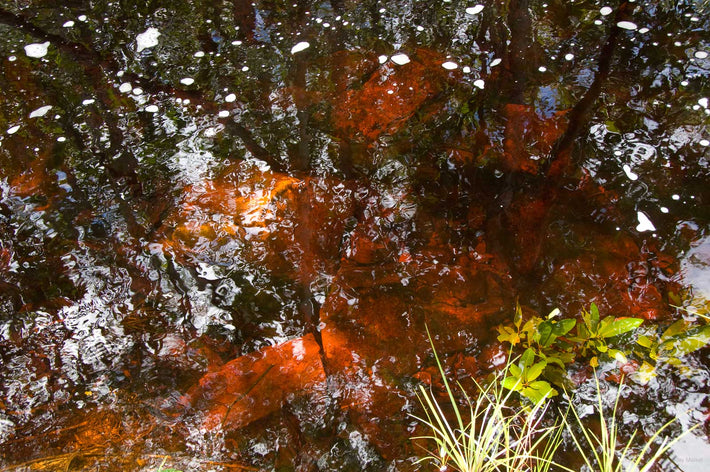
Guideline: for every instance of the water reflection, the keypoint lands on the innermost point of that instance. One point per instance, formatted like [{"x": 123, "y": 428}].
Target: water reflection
[{"x": 197, "y": 195}]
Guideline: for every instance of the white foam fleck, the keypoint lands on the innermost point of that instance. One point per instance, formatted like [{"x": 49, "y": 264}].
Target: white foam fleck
[
  {"x": 41, "y": 111},
  {"x": 125, "y": 87},
  {"x": 151, "y": 109},
  {"x": 466, "y": 69},
  {"x": 230, "y": 98},
  {"x": 448, "y": 65},
  {"x": 81, "y": 18},
  {"x": 629, "y": 173},
  {"x": 598, "y": 22},
  {"x": 542, "y": 69},
  {"x": 187, "y": 81},
  {"x": 137, "y": 91},
  {"x": 569, "y": 56},
  {"x": 704, "y": 142},
  {"x": 245, "y": 68},
  {"x": 420, "y": 28},
  {"x": 606, "y": 11},
  {"x": 223, "y": 113},
  {"x": 37, "y": 49},
  {"x": 664, "y": 210},
  {"x": 627, "y": 25},
  {"x": 400, "y": 59},
  {"x": 61, "y": 139},
  {"x": 474, "y": 10},
  {"x": 12, "y": 58},
  {"x": 14, "y": 129},
  {"x": 496, "y": 61},
  {"x": 68, "y": 24},
  {"x": 703, "y": 102},
  {"x": 199, "y": 54},
  {"x": 147, "y": 39},
  {"x": 300, "y": 47},
  {"x": 644, "y": 30},
  {"x": 644, "y": 223},
  {"x": 382, "y": 59},
  {"x": 701, "y": 54},
  {"x": 675, "y": 196},
  {"x": 236, "y": 43},
  {"x": 88, "y": 101},
  {"x": 479, "y": 83}
]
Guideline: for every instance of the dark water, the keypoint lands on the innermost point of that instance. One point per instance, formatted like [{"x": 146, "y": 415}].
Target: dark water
[{"x": 225, "y": 225}]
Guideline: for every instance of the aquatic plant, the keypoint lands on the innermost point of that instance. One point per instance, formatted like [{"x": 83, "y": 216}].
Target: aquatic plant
[
  {"x": 552, "y": 344},
  {"x": 488, "y": 433}
]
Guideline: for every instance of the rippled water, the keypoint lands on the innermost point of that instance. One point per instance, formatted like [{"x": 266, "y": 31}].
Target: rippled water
[{"x": 224, "y": 226}]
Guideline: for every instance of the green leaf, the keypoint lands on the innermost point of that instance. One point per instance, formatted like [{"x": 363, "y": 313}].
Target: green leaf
[
  {"x": 512, "y": 383},
  {"x": 563, "y": 327},
  {"x": 534, "y": 371},
  {"x": 620, "y": 326},
  {"x": 594, "y": 317},
  {"x": 527, "y": 358},
  {"x": 545, "y": 333},
  {"x": 691, "y": 341},
  {"x": 518, "y": 318},
  {"x": 674, "y": 329},
  {"x": 507, "y": 334},
  {"x": 538, "y": 391},
  {"x": 553, "y": 313},
  {"x": 644, "y": 341},
  {"x": 516, "y": 371},
  {"x": 555, "y": 360}
]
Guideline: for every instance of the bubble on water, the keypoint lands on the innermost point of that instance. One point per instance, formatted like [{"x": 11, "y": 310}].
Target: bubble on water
[
  {"x": 12, "y": 58},
  {"x": 230, "y": 98},
  {"x": 542, "y": 69},
  {"x": 466, "y": 69},
  {"x": 684, "y": 83},
  {"x": 569, "y": 56},
  {"x": 147, "y": 39},
  {"x": 420, "y": 28},
  {"x": 125, "y": 87},
  {"x": 236, "y": 43},
  {"x": 151, "y": 109},
  {"x": 606, "y": 11},
  {"x": 68, "y": 24},
  {"x": 187, "y": 81},
  {"x": 475, "y": 10},
  {"x": 645, "y": 224},
  {"x": 82, "y": 18},
  {"x": 199, "y": 54},
  {"x": 704, "y": 142},
  {"x": 627, "y": 25},
  {"x": 382, "y": 59},
  {"x": 675, "y": 196},
  {"x": 479, "y": 83},
  {"x": 448, "y": 65},
  {"x": 664, "y": 210},
  {"x": 223, "y": 113},
  {"x": 701, "y": 54},
  {"x": 41, "y": 111},
  {"x": 703, "y": 102},
  {"x": 13, "y": 129},
  {"x": 245, "y": 68},
  {"x": 61, "y": 139},
  {"x": 400, "y": 59},
  {"x": 629, "y": 173},
  {"x": 496, "y": 61},
  {"x": 88, "y": 101},
  {"x": 137, "y": 91},
  {"x": 303, "y": 45},
  {"x": 598, "y": 22},
  {"x": 644, "y": 30},
  {"x": 37, "y": 49}
]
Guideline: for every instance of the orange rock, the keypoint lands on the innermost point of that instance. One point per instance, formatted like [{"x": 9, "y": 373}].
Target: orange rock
[{"x": 255, "y": 385}]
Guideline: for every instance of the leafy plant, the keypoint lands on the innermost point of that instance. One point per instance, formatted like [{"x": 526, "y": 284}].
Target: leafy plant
[
  {"x": 604, "y": 452},
  {"x": 487, "y": 434},
  {"x": 558, "y": 343},
  {"x": 676, "y": 341}
]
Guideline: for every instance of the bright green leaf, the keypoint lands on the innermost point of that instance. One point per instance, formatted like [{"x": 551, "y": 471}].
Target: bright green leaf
[
  {"x": 620, "y": 326},
  {"x": 534, "y": 371},
  {"x": 512, "y": 383},
  {"x": 527, "y": 358},
  {"x": 674, "y": 329},
  {"x": 645, "y": 341}
]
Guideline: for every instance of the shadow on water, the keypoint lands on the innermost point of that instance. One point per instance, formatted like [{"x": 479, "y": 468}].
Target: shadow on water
[{"x": 225, "y": 226}]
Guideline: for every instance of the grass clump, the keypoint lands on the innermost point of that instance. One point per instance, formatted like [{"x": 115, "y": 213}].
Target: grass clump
[{"x": 487, "y": 434}]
